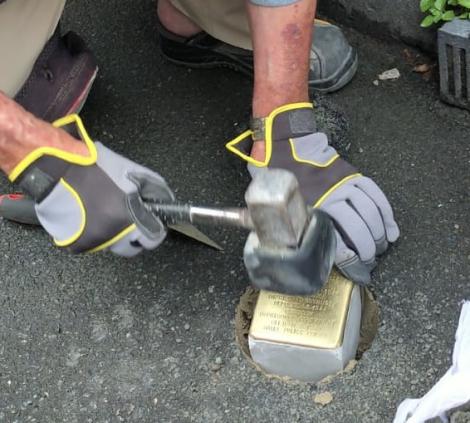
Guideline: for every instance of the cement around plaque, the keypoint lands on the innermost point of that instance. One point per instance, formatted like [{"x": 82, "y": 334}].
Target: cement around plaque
[{"x": 244, "y": 316}]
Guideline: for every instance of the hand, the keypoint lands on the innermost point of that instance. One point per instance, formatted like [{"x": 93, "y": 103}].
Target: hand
[
  {"x": 361, "y": 213},
  {"x": 93, "y": 202}
]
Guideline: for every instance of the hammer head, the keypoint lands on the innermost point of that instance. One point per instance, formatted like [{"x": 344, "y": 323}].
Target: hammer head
[
  {"x": 277, "y": 208},
  {"x": 303, "y": 270},
  {"x": 291, "y": 250}
]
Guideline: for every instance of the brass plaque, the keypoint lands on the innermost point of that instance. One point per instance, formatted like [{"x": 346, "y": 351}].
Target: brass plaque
[{"x": 314, "y": 321}]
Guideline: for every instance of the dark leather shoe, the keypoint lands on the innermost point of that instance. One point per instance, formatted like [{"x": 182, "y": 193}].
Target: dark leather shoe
[{"x": 61, "y": 78}]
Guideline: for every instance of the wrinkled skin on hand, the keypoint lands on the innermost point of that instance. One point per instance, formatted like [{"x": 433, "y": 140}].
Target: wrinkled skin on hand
[{"x": 21, "y": 133}]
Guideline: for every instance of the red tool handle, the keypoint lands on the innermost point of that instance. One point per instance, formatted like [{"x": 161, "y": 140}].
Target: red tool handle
[{"x": 18, "y": 208}]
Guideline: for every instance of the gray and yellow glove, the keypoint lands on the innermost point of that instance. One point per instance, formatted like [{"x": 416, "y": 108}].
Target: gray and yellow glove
[
  {"x": 362, "y": 214},
  {"x": 93, "y": 203}
]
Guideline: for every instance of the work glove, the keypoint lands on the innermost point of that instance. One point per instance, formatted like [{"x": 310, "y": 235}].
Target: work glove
[
  {"x": 93, "y": 203},
  {"x": 361, "y": 213}
]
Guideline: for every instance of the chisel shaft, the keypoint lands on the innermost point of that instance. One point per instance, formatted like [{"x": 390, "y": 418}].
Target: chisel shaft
[{"x": 176, "y": 213}]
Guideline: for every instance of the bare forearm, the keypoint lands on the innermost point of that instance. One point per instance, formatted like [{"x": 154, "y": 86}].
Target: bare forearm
[
  {"x": 21, "y": 133},
  {"x": 282, "y": 38}
]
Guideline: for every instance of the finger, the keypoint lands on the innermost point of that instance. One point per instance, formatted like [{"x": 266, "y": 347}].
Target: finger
[
  {"x": 349, "y": 264},
  {"x": 371, "y": 216},
  {"x": 368, "y": 186},
  {"x": 366, "y": 209},
  {"x": 151, "y": 243},
  {"x": 118, "y": 168},
  {"x": 150, "y": 186},
  {"x": 135, "y": 242},
  {"x": 355, "y": 232},
  {"x": 127, "y": 246}
]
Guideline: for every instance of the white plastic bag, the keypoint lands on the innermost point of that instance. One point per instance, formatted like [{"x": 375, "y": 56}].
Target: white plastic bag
[{"x": 452, "y": 390}]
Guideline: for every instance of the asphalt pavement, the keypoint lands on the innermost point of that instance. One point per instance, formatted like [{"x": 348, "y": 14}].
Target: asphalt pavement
[{"x": 96, "y": 338}]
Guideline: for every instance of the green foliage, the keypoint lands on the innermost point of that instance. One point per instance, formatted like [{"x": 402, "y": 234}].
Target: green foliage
[{"x": 443, "y": 10}]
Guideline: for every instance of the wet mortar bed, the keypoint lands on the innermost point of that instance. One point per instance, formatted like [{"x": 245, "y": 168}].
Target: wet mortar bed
[{"x": 103, "y": 339}]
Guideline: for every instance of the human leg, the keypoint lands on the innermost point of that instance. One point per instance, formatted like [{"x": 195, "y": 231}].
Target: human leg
[
  {"x": 281, "y": 65},
  {"x": 225, "y": 40},
  {"x": 48, "y": 74},
  {"x": 25, "y": 27}
]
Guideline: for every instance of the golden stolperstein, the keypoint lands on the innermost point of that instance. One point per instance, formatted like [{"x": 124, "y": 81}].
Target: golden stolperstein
[{"x": 313, "y": 321}]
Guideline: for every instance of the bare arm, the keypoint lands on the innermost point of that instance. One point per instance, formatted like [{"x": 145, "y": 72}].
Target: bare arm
[
  {"x": 21, "y": 133},
  {"x": 282, "y": 37}
]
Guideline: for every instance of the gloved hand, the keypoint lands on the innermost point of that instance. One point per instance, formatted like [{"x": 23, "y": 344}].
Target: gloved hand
[
  {"x": 361, "y": 213},
  {"x": 93, "y": 203}
]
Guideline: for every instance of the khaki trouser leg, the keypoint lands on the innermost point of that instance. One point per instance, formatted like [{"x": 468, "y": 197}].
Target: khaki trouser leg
[
  {"x": 225, "y": 20},
  {"x": 25, "y": 27}
]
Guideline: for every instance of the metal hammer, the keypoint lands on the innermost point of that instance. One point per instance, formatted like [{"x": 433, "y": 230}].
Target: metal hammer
[{"x": 292, "y": 248}]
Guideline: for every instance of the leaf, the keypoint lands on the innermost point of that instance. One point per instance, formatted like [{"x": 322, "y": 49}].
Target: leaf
[
  {"x": 435, "y": 12},
  {"x": 448, "y": 16},
  {"x": 453, "y": 2},
  {"x": 427, "y": 21},
  {"x": 425, "y": 5},
  {"x": 464, "y": 15},
  {"x": 464, "y": 3},
  {"x": 437, "y": 18},
  {"x": 439, "y": 4}
]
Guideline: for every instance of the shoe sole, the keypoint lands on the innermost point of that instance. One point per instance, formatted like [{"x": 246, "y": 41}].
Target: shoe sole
[
  {"x": 80, "y": 101},
  {"x": 209, "y": 65},
  {"x": 330, "y": 85}
]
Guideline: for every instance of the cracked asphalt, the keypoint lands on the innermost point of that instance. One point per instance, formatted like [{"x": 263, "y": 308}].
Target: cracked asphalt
[{"x": 96, "y": 338}]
